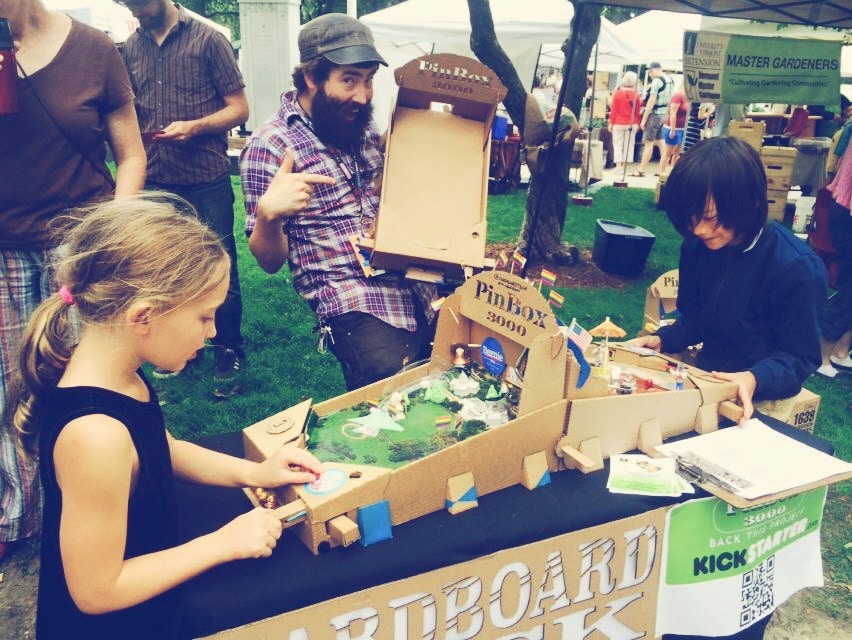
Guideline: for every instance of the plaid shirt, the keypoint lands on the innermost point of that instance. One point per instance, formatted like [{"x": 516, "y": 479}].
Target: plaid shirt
[
  {"x": 323, "y": 265},
  {"x": 184, "y": 78}
]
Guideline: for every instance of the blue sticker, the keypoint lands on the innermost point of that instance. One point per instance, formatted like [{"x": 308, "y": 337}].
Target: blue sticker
[
  {"x": 330, "y": 480},
  {"x": 492, "y": 356}
]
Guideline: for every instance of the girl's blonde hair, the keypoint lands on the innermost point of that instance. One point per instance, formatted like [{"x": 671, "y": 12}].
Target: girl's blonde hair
[{"x": 149, "y": 248}]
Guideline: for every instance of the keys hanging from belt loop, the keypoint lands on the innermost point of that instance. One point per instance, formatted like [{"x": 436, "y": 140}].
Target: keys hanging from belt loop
[{"x": 324, "y": 334}]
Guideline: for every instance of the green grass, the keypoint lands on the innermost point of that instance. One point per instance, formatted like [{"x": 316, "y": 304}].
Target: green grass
[{"x": 284, "y": 368}]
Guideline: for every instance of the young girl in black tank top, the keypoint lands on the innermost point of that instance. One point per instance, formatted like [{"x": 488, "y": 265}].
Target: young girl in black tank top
[{"x": 143, "y": 281}]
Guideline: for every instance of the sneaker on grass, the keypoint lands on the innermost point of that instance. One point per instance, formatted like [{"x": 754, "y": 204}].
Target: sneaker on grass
[
  {"x": 844, "y": 364},
  {"x": 228, "y": 363}
]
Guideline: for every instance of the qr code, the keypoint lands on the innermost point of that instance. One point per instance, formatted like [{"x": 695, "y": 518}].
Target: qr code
[{"x": 758, "y": 592}]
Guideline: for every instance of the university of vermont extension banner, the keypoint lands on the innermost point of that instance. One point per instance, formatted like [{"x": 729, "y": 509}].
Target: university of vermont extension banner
[
  {"x": 730, "y": 567},
  {"x": 737, "y": 69}
]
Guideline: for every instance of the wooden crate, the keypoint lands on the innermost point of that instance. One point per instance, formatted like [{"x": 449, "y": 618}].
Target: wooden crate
[
  {"x": 749, "y": 131},
  {"x": 777, "y": 201},
  {"x": 778, "y": 165},
  {"x": 236, "y": 142}
]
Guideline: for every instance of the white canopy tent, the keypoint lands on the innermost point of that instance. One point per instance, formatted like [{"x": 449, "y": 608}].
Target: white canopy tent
[
  {"x": 657, "y": 36},
  {"x": 613, "y": 52},
  {"x": 112, "y": 18},
  {"x": 105, "y": 15},
  {"x": 523, "y": 29}
]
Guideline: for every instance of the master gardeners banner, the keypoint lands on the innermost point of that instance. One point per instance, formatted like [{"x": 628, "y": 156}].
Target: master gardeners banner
[
  {"x": 730, "y": 567},
  {"x": 724, "y": 67}
]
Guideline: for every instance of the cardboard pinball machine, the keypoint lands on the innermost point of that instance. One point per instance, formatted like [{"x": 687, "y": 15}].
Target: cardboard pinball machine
[
  {"x": 499, "y": 403},
  {"x": 431, "y": 219}
]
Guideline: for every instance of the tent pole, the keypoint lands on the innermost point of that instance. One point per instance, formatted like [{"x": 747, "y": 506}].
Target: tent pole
[{"x": 585, "y": 199}]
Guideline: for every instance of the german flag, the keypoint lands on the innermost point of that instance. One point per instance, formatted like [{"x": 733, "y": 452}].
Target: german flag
[{"x": 555, "y": 299}]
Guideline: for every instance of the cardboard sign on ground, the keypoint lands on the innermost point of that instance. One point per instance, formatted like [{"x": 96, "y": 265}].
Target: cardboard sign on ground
[{"x": 660, "y": 301}]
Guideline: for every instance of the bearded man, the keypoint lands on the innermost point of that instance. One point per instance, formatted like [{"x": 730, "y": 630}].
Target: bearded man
[{"x": 311, "y": 179}]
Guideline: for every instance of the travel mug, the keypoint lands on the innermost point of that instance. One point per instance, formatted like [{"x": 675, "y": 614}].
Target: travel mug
[{"x": 8, "y": 70}]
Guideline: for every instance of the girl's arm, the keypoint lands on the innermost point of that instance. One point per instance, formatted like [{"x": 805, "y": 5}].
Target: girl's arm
[
  {"x": 96, "y": 467},
  {"x": 125, "y": 141},
  {"x": 289, "y": 464}
]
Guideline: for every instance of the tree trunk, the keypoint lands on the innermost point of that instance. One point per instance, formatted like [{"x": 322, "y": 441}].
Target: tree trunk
[{"x": 547, "y": 198}]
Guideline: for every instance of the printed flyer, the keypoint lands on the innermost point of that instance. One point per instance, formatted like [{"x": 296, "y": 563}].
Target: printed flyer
[{"x": 731, "y": 567}]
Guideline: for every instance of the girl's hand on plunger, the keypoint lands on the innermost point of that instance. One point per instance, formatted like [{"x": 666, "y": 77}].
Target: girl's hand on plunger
[{"x": 251, "y": 535}]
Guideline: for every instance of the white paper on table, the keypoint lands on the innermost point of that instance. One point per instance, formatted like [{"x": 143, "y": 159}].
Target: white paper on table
[
  {"x": 642, "y": 475},
  {"x": 768, "y": 461}
]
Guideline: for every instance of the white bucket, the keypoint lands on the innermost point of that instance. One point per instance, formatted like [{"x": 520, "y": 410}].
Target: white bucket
[{"x": 804, "y": 211}]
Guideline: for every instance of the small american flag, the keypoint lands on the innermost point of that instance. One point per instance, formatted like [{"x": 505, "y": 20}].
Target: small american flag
[
  {"x": 578, "y": 335},
  {"x": 519, "y": 258},
  {"x": 555, "y": 299},
  {"x": 548, "y": 277}
]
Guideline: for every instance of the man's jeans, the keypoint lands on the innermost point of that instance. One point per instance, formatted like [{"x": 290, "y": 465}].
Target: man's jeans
[{"x": 214, "y": 202}]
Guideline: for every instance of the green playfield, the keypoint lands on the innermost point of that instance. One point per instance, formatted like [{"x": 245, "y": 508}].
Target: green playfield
[{"x": 430, "y": 417}]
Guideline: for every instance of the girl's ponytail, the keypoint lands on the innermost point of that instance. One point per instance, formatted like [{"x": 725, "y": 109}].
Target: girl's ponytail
[{"x": 48, "y": 342}]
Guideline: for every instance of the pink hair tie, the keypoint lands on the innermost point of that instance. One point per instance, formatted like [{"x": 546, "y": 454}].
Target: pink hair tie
[{"x": 66, "y": 296}]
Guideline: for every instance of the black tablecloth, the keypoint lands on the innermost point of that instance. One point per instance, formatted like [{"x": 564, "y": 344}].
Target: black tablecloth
[{"x": 245, "y": 591}]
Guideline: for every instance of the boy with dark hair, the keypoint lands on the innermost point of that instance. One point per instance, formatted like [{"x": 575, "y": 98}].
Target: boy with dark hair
[{"x": 749, "y": 290}]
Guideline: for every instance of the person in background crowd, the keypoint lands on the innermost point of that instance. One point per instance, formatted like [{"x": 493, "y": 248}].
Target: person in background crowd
[
  {"x": 837, "y": 323},
  {"x": 749, "y": 290},
  {"x": 725, "y": 114},
  {"x": 74, "y": 95},
  {"x": 624, "y": 119},
  {"x": 144, "y": 282},
  {"x": 654, "y": 115},
  {"x": 696, "y": 123},
  {"x": 310, "y": 178},
  {"x": 673, "y": 130},
  {"x": 189, "y": 94}
]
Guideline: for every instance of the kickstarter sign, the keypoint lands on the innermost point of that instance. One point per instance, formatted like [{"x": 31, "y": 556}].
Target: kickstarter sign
[
  {"x": 724, "y": 67},
  {"x": 731, "y": 567}
]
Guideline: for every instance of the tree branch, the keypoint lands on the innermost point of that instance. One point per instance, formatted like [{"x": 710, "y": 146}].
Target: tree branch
[{"x": 484, "y": 44}]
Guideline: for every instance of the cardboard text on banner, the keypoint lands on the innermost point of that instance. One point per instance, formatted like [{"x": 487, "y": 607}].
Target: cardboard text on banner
[
  {"x": 729, "y": 68},
  {"x": 599, "y": 582},
  {"x": 746, "y": 562}
]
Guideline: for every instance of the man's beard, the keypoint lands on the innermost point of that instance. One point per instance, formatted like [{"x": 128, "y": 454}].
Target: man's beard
[{"x": 330, "y": 125}]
